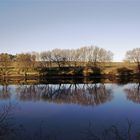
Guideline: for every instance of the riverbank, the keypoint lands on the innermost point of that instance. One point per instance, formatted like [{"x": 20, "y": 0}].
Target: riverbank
[{"x": 106, "y": 70}]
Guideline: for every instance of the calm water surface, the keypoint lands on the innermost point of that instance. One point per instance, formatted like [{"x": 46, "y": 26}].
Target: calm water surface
[{"x": 71, "y": 111}]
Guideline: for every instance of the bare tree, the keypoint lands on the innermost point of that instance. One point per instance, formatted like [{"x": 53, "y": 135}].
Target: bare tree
[
  {"x": 98, "y": 55},
  {"x": 77, "y": 57},
  {"x": 46, "y": 59},
  {"x": 58, "y": 57},
  {"x": 133, "y": 56},
  {"x": 25, "y": 62},
  {"x": 37, "y": 55}
]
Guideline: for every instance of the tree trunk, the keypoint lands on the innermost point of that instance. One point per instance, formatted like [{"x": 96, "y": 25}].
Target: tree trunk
[{"x": 25, "y": 75}]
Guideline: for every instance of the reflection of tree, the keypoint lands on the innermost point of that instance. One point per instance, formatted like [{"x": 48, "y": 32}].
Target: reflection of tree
[
  {"x": 28, "y": 92},
  {"x": 133, "y": 93},
  {"x": 5, "y": 92},
  {"x": 84, "y": 94}
]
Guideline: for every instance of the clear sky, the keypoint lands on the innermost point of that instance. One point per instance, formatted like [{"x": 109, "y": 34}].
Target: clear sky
[{"x": 39, "y": 25}]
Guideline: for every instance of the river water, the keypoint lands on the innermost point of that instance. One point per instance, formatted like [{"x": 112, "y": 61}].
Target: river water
[{"x": 70, "y": 111}]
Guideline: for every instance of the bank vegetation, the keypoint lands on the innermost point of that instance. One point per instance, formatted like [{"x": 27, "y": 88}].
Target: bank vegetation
[{"x": 84, "y": 62}]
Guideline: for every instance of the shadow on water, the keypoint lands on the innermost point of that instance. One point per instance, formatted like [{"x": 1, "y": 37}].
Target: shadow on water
[{"x": 124, "y": 80}]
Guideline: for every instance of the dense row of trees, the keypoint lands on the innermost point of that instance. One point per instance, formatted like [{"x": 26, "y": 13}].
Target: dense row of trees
[
  {"x": 56, "y": 58},
  {"x": 92, "y": 56}
]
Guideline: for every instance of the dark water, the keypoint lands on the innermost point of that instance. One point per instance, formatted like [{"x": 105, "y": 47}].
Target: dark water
[{"x": 70, "y": 111}]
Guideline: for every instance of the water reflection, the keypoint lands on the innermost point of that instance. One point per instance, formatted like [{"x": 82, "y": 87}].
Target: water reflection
[
  {"x": 66, "y": 121},
  {"x": 133, "y": 93},
  {"x": 5, "y": 92},
  {"x": 83, "y": 94}
]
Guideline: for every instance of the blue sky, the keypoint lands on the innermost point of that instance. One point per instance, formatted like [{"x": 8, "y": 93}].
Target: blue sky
[{"x": 39, "y": 25}]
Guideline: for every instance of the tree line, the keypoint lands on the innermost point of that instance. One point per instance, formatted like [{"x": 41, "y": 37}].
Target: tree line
[{"x": 92, "y": 56}]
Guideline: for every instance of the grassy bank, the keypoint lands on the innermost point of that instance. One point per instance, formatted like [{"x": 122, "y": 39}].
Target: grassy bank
[{"x": 104, "y": 70}]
